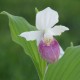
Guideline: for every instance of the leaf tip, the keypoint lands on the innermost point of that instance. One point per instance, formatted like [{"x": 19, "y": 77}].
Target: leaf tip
[
  {"x": 5, "y": 13},
  {"x": 36, "y": 10},
  {"x": 72, "y": 44}
]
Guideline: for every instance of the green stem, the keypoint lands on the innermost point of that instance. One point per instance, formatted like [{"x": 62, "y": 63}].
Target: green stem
[{"x": 44, "y": 72}]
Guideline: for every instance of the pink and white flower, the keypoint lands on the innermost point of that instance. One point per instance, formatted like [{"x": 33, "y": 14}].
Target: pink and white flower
[{"x": 49, "y": 47}]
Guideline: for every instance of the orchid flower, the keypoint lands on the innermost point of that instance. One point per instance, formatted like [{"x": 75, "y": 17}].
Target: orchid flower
[{"x": 48, "y": 46}]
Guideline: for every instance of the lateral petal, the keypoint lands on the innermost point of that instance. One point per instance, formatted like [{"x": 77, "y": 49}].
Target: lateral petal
[
  {"x": 32, "y": 35},
  {"x": 57, "y": 30}
]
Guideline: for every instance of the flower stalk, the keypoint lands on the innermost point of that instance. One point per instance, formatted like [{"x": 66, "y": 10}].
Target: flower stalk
[{"x": 48, "y": 47}]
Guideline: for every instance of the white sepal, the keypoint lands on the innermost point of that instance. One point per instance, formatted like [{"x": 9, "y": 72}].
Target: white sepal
[
  {"x": 61, "y": 52},
  {"x": 46, "y": 18}
]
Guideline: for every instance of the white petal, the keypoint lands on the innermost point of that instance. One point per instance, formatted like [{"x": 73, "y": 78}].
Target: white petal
[
  {"x": 48, "y": 33},
  {"x": 32, "y": 35},
  {"x": 46, "y": 18},
  {"x": 57, "y": 30},
  {"x": 39, "y": 38},
  {"x": 61, "y": 52}
]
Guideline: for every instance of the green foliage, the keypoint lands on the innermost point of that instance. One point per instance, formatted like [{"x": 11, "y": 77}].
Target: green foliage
[
  {"x": 17, "y": 26},
  {"x": 67, "y": 68},
  {"x": 14, "y": 63}
]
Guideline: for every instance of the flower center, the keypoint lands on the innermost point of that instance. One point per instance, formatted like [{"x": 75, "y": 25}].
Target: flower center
[{"x": 48, "y": 41}]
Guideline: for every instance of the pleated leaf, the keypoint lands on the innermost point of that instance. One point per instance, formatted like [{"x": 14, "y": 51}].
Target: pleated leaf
[
  {"x": 17, "y": 26},
  {"x": 67, "y": 68}
]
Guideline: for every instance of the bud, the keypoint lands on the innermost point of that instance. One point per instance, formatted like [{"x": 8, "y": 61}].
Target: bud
[{"x": 49, "y": 51}]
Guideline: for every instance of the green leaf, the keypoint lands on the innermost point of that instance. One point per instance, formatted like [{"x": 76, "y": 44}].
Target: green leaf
[
  {"x": 67, "y": 68},
  {"x": 17, "y": 26}
]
